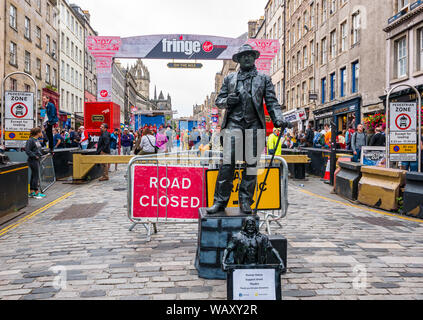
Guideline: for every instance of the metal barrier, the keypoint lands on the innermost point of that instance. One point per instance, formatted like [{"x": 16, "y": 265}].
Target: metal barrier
[
  {"x": 196, "y": 159},
  {"x": 47, "y": 173}
]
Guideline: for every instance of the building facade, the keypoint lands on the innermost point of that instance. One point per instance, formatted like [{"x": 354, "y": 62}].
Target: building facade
[
  {"x": 90, "y": 72},
  {"x": 30, "y": 36},
  {"x": 349, "y": 60},
  {"x": 404, "y": 48},
  {"x": 72, "y": 60},
  {"x": 274, "y": 22},
  {"x": 118, "y": 91}
]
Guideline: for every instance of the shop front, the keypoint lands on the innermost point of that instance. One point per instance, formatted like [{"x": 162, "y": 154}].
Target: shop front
[
  {"x": 347, "y": 114},
  {"x": 322, "y": 117},
  {"x": 297, "y": 118}
]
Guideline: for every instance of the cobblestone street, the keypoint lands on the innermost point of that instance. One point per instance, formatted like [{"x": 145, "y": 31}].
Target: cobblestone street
[{"x": 336, "y": 251}]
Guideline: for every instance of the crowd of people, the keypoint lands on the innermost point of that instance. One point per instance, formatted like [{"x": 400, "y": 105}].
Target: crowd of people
[{"x": 352, "y": 139}]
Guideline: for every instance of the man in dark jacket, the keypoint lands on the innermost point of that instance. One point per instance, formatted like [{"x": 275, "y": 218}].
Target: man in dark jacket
[
  {"x": 103, "y": 148},
  {"x": 51, "y": 120},
  {"x": 309, "y": 135},
  {"x": 379, "y": 139},
  {"x": 242, "y": 96}
]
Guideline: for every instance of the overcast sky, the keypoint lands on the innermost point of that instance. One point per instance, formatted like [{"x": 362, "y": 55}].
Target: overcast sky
[{"x": 125, "y": 18}]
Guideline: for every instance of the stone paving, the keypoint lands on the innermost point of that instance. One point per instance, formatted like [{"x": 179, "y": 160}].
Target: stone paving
[{"x": 335, "y": 252}]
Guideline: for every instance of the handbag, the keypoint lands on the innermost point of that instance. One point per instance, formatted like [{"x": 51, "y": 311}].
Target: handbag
[{"x": 156, "y": 148}]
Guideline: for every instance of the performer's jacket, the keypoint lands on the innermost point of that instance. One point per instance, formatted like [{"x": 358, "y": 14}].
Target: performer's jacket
[{"x": 253, "y": 88}]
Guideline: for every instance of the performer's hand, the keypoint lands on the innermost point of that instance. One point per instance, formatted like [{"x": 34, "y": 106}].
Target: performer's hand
[
  {"x": 233, "y": 99},
  {"x": 224, "y": 266}
]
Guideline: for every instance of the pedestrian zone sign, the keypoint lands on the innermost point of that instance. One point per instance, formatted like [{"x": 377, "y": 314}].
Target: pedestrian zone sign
[
  {"x": 403, "y": 135},
  {"x": 270, "y": 200},
  {"x": 19, "y": 118}
]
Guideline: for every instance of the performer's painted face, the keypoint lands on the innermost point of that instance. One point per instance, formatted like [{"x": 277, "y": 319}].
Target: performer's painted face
[{"x": 247, "y": 61}]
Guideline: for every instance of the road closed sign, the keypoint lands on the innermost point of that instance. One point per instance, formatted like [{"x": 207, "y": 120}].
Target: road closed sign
[
  {"x": 161, "y": 193},
  {"x": 403, "y": 135}
]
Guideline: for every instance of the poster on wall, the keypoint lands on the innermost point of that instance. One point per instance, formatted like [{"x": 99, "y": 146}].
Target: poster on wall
[{"x": 373, "y": 156}]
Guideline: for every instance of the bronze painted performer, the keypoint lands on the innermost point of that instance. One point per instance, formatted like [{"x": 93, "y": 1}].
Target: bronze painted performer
[
  {"x": 250, "y": 247},
  {"x": 242, "y": 96}
]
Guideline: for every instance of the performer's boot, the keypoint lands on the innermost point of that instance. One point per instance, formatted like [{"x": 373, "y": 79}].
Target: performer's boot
[
  {"x": 223, "y": 189},
  {"x": 215, "y": 209},
  {"x": 245, "y": 208}
]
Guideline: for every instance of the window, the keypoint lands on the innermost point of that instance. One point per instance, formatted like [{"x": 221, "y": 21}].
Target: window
[
  {"x": 67, "y": 46},
  {"x": 13, "y": 17},
  {"x": 355, "y": 75},
  {"x": 401, "y": 53},
  {"x": 343, "y": 82},
  {"x": 402, "y": 4},
  {"x": 356, "y": 28},
  {"x": 333, "y": 44},
  {"x": 13, "y": 84},
  {"x": 48, "y": 12},
  {"x": 67, "y": 73},
  {"x": 279, "y": 28},
  {"x": 305, "y": 24},
  {"x": 312, "y": 15},
  {"x": 323, "y": 90},
  {"x": 332, "y": 86},
  {"x": 305, "y": 57},
  {"x": 304, "y": 91},
  {"x": 54, "y": 78},
  {"x": 72, "y": 76},
  {"x": 54, "y": 51},
  {"x": 324, "y": 51},
  {"x": 27, "y": 62},
  {"x": 299, "y": 60},
  {"x": 311, "y": 52},
  {"x": 299, "y": 28},
  {"x": 12, "y": 51},
  {"x": 332, "y": 6},
  {"x": 27, "y": 28},
  {"x": 47, "y": 44},
  {"x": 38, "y": 36},
  {"x": 47, "y": 73},
  {"x": 38, "y": 3},
  {"x": 62, "y": 70},
  {"x": 344, "y": 36},
  {"x": 324, "y": 10},
  {"x": 288, "y": 64},
  {"x": 287, "y": 98},
  {"x": 38, "y": 75},
  {"x": 293, "y": 35},
  {"x": 298, "y": 97},
  {"x": 420, "y": 49},
  {"x": 27, "y": 88}
]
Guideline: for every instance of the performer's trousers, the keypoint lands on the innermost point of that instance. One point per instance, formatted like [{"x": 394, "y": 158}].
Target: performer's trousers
[{"x": 242, "y": 142}]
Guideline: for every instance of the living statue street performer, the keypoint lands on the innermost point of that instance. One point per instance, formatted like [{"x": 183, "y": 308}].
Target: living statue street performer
[
  {"x": 243, "y": 127},
  {"x": 250, "y": 247}
]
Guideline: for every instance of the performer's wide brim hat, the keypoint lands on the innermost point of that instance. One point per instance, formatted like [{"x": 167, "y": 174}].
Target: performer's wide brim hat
[{"x": 244, "y": 49}]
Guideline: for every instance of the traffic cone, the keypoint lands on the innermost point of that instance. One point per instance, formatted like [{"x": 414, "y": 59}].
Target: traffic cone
[{"x": 327, "y": 172}]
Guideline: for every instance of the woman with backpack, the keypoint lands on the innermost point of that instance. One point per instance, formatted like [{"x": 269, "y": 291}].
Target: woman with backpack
[
  {"x": 148, "y": 143},
  {"x": 33, "y": 151}
]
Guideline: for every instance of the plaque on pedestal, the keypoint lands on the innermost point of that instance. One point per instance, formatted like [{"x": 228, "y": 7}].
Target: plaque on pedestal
[
  {"x": 214, "y": 233},
  {"x": 254, "y": 282}
]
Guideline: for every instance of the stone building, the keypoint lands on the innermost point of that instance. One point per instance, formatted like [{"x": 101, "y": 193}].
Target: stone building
[
  {"x": 72, "y": 60},
  {"x": 2, "y": 25},
  {"x": 118, "y": 91},
  {"x": 274, "y": 23},
  {"x": 90, "y": 72},
  {"x": 300, "y": 64},
  {"x": 404, "y": 50},
  {"x": 30, "y": 43},
  {"x": 161, "y": 102}
]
